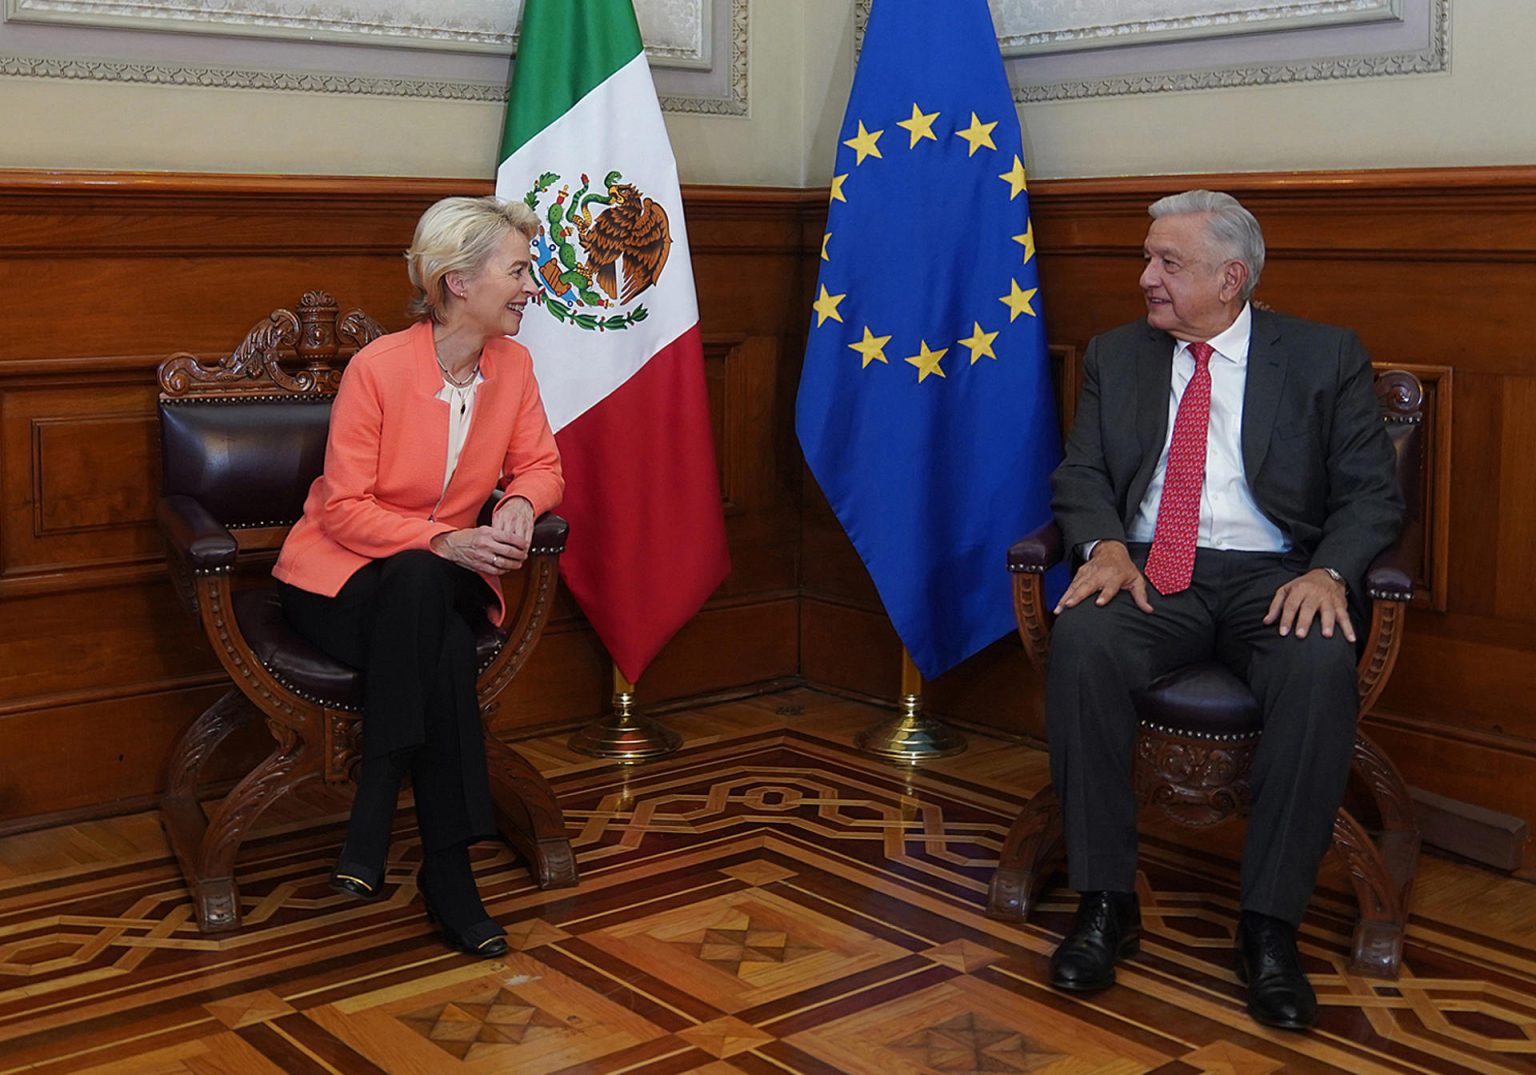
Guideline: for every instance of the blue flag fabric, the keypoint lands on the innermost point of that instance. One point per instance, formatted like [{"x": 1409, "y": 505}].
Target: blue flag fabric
[{"x": 925, "y": 408}]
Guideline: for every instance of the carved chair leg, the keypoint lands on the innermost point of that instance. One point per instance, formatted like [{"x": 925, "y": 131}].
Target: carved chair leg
[
  {"x": 1386, "y": 785},
  {"x": 207, "y": 847},
  {"x": 181, "y": 814},
  {"x": 1033, "y": 846},
  {"x": 1382, "y": 876},
  {"x": 529, "y": 817}
]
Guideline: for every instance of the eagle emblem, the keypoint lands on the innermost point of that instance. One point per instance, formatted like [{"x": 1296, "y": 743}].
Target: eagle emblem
[{"x": 598, "y": 250}]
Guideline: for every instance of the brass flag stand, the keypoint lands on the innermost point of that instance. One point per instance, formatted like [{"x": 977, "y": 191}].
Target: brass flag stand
[
  {"x": 910, "y": 736},
  {"x": 625, "y": 736}
]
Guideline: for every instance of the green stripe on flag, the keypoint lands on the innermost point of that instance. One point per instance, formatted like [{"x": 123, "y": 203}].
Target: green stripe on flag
[{"x": 566, "y": 49}]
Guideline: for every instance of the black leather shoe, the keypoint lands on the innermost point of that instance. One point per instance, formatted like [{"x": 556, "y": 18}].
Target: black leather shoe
[
  {"x": 360, "y": 882},
  {"x": 1108, "y": 928},
  {"x": 1279, "y": 994},
  {"x": 483, "y": 939}
]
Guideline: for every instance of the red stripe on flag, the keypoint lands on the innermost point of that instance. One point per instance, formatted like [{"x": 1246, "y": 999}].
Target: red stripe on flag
[{"x": 647, "y": 544}]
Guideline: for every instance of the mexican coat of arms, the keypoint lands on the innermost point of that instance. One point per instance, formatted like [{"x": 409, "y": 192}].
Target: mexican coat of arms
[{"x": 588, "y": 239}]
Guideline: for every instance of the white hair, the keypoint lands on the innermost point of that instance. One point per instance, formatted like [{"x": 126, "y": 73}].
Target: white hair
[{"x": 1233, "y": 229}]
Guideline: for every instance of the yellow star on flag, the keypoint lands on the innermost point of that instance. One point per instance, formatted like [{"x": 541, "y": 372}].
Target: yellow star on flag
[
  {"x": 1016, "y": 300},
  {"x": 865, "y": 144},
  {"x": 837, "y": 189},
  {"x": 978, "y": 134},
  {"x": 1027, "y": 241},
  {"x": 920, "y": 126},
  {"x": 927, "y": 362},
  {"x": 872, "y": 347},
  {"x": 980, "y": 343},
  {"x": 827, "y": 238},
  {"x": 1015, "y": 178},
  {"x": 826, "y": 306}
]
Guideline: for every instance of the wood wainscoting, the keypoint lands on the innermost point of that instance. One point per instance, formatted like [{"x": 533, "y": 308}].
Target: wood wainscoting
[{"x": 108, "y": 273}]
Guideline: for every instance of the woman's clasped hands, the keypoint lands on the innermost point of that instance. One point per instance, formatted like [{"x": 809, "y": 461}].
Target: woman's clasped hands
[{"x": 495, "y": 549}]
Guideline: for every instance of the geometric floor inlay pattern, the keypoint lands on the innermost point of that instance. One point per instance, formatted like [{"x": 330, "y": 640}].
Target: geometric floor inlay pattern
[
  {"x": 971, "y": 1044},
  {"x": 771, "y": 902},
  {"x": 491, "y": 1016},
  {"x": 739, "y": 946}
]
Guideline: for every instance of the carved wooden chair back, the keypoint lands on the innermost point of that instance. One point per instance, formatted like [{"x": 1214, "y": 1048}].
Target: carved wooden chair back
[{"x": 246, "y": 437}]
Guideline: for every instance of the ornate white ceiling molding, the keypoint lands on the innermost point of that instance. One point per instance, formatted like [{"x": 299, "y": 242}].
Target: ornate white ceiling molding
[
  {"x": 1255, "y": 43},
  {"x": 698, "y": 50},
  {"x": 229, "y": 78}
]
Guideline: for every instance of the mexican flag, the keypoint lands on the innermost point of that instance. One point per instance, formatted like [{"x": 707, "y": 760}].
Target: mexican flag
[{"x": 615, "y": 335}]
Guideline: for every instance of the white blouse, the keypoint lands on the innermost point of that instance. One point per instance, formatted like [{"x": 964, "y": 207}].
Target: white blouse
[{"x": 461, "y": 408}]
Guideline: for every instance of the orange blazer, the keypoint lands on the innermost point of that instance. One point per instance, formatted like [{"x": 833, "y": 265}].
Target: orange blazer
[{"x": 382, "y": 488}]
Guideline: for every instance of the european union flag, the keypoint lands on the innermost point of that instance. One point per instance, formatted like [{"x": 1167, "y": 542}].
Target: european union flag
[{"x": 925, "y": 408}]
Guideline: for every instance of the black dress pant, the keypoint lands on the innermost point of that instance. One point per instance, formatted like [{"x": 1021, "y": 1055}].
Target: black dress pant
[
  {"x": 404, "y": 622},
  {"x": 1306, "y": 688}
]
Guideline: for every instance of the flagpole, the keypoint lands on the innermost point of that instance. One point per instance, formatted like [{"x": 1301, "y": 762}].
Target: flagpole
[
  {"x": 910, "y": 735},
  {"x": 625, "y": 736}
]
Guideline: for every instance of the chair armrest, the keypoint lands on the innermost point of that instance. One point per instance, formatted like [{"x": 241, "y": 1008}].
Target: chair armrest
[
  {"x": 1037, "y": 551},
  {"x": 195, "y": 535},
  {"x": 549, "y": 529},
  {"x": 1390, "y": 576},
  {"x": 549, "y": 534}
]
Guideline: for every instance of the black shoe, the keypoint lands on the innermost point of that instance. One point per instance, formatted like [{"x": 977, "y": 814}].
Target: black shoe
[
  {"x": 484, "y": 939},
  {"x": 350, "y": 879},
  {"x": 1108, "y": 928},
  {"x": 1279, "y": 994}
]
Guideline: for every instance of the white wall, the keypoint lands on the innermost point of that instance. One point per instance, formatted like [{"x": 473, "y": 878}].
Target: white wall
[
  {"x": 801, "y": 63},
  {"x": 1479, "y": 112},
  {"x": 61, "y": 123}
]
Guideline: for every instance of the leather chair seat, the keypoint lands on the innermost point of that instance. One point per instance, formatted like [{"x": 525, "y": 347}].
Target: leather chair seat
[
  {"x": 1203, "y": 701},
  {"x": 303, "y": 667}
]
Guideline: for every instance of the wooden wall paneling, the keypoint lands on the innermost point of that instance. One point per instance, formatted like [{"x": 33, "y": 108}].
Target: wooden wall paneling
[
  {"x": 1432, "y": 267},
  {"x": 997, "y": 690},
  {"x": 72, "y": 468},
  {"x": 1067, "y": 380},
  {"x": 761, "y": 508},
  {"x": 849, "y": 647},
  {"x": 1516, "y": 548},
  {"x": 1476, "y": 448}
]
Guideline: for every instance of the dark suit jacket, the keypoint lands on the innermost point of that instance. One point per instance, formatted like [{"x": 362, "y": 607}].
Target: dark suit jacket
[{"x": 1315, "y": 451}]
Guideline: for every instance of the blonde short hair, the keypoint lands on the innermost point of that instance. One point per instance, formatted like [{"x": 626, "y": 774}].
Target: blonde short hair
[{"x": 458, "y": 235}]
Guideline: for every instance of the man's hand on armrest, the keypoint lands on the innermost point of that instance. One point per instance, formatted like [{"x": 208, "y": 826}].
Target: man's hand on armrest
[{"x": 1108, "y": 571}]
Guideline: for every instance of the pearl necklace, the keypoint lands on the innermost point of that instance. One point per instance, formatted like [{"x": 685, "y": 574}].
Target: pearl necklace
[{"x": 468, "y": 380}]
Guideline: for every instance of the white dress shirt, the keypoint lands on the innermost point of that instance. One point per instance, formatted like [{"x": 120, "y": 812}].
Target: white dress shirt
[{"x": 1229, "y": 516}]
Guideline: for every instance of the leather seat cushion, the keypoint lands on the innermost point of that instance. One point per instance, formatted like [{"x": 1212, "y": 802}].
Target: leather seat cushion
[
  {"x": 303, "y": 668},
  {"x": 1204, "y": 700}
]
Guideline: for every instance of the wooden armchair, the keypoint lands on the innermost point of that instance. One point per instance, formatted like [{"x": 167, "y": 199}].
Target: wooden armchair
[
  {"x": 1200, "y": 725},
  {"x": 242, "y": 441}
]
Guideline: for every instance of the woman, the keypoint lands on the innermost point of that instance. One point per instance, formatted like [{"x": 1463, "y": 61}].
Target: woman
[{"x": 387, "y": 568}]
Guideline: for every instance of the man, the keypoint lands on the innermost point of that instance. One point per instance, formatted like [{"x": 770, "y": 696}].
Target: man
[{"x": 1226, "y": 484}]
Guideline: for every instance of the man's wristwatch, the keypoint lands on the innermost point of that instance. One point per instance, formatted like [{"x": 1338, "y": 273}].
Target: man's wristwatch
[{"x": 1336, "y": 577}]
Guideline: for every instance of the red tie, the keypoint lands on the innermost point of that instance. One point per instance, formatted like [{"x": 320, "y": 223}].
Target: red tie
[{"x": 1171, "y": 563}]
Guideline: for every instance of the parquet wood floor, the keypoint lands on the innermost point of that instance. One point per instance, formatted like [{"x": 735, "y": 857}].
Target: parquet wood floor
[{"x": 766, "y": 901}]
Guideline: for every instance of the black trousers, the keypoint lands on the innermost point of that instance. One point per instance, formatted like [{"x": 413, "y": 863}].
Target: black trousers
[
  {"x": 404, "y": 622},
  {"x": 1306, "y": 689}
]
